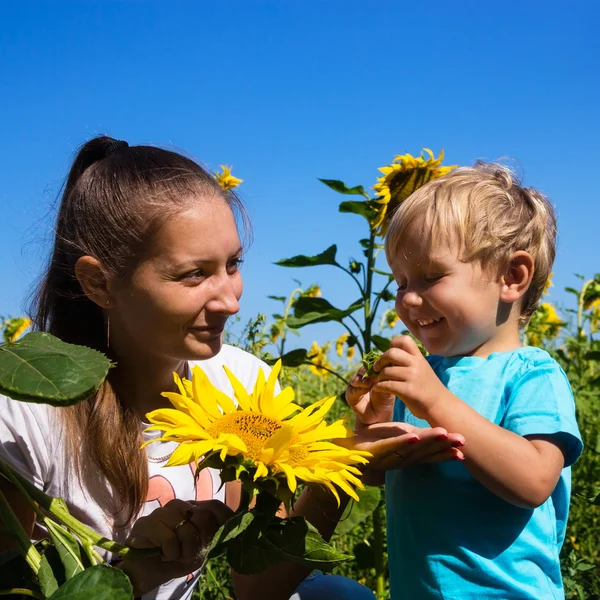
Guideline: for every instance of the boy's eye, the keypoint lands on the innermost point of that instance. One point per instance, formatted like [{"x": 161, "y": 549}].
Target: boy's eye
[{"x": 433, "y": 278}]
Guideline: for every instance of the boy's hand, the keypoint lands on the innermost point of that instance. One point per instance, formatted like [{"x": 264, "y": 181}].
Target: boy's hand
[
  {"x": 404, "y": 372},
  {"x": 368, "y": 405}
]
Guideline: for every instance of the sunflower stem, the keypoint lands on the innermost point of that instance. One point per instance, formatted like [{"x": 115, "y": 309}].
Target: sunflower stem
[
  {"x": 245, "y": 500},
  {"x": 378, "y": 555}
]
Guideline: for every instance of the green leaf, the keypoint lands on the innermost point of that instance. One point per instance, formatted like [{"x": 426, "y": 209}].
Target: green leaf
[
  {"x": 296, "y": 539},
  {"x": 327, "y": 257},
  {"x": 593, "y": 355},
  {"x": 278, "y": 298},
  {"x": 357, "y": 512},
  {"x": 293, "y": 358},
  {"x": 390, "y": 276},
  {"x": 342, "y": 188},
  {"x": 283, "y": 539},
  {"x": 318, "y": 310},
  {"x": 100, "y": 583},
  {"x": 67, "y": 547},
  {"x": 46, "y": 577},
  {"x": 364, "y": 209},
  {"x": 368, "y": 360},
  {"x": 380, "y": 342},
  {"x": 41, "y": 368},
  {"x": 229, "y": 531},
  {"x": 250, "y": 556},
  {"x": 572, "y": 291}
]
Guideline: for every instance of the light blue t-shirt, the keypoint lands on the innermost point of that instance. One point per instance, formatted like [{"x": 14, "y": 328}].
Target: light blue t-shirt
[{"x": 449, "y": 537}]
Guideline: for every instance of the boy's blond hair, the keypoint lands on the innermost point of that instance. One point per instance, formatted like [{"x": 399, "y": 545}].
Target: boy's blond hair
[{"x": 485, "y": 212}]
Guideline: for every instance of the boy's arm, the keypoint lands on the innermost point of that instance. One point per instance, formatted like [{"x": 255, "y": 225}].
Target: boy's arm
[{"x": 521, "y": 469}]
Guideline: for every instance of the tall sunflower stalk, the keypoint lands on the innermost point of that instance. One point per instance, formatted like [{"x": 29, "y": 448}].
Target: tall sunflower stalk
[{"x": 399, "y": 179}]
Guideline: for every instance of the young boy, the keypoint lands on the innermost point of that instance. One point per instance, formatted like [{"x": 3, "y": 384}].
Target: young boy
[{"x": 471, "y": 253}]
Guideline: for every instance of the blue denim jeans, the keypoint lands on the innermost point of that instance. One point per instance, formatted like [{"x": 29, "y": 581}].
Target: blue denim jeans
[{"x": 331, "y": 587}]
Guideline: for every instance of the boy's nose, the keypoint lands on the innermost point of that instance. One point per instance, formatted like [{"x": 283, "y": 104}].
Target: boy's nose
[{"x": 411, "y": 298}]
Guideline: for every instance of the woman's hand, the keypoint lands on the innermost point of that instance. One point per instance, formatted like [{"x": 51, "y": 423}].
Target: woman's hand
[
  {"x": 400, "y": 445},
  {"x": 182, "y": 531}
]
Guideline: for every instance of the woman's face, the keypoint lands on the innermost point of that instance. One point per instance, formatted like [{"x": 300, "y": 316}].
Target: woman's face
[{"x": 178, "y": 299}]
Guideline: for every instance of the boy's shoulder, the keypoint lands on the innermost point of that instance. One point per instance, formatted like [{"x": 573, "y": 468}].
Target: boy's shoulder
[
  {"x": 508, "y": 367},
  {"x": 530, "y": 358}
]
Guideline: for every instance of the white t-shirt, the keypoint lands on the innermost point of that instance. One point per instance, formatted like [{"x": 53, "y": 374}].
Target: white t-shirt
[{"x": 31, "y": 441}]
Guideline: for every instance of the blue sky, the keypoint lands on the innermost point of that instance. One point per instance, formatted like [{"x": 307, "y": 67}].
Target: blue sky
[{"x": 291, "y": 91}]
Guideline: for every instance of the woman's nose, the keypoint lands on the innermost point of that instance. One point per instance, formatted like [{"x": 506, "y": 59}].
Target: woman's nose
[{"x": 226, "y": 296}]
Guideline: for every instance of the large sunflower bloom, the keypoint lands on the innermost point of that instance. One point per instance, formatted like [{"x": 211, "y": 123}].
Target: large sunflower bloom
[
  {"x": 266, "y": 435},
  {"x": 226, "y": 180},
  {"x": 405, "y": 175}
]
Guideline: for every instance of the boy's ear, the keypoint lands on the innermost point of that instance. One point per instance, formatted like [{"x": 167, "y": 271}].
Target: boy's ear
[
  {"x": 517, "y": 278},
  {"x": 93, "y": 280}
]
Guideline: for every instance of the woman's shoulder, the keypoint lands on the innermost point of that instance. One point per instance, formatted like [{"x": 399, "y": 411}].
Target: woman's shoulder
[
  {"x": 28, "y": 415},
  {"x": 28, "y": 438}
]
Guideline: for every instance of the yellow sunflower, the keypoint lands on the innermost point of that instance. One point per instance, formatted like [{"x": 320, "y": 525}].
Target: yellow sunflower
[
  {"x": 266, "y": 436},
  {"x": 318, "y": 358},
  {"x": 339, "y": 344},
  {"x": 14, "y": 328},
  {"x": 350, "y": 353},
  {"x": 226, "y": 180},
  {"x": 405, "y": 175},
  {"x": 548, "y": 285},
  {"x": 544, "y": 325},
  {"x": 595, "y": 315}
]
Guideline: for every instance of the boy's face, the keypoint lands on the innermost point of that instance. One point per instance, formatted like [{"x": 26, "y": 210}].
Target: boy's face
[{"x": 451, "y": 306}]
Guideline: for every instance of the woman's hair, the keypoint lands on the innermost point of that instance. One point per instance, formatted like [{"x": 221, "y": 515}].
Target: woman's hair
[
  {"x": 485, "y": 212},
  {"x": 116, "y": 197}
]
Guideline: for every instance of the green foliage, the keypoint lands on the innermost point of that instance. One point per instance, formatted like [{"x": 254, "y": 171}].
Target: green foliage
[
  {"x": 41, "y": 368},
  {"x": 99, "y": 582},
  {"x": 342, "y": 188},
  {"x": 327, "y": 257},
  {"x": 368, "y": 360}
]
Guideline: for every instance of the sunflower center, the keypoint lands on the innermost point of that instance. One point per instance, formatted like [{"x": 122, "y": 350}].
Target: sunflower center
[{"x": 252, "y": 428}]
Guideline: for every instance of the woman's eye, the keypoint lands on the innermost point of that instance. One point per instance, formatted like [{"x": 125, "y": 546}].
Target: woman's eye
[
  {"x": 234, "y": 265},
  {"x": 197, "y": 274},
  {"x": 401, "y": 287}
]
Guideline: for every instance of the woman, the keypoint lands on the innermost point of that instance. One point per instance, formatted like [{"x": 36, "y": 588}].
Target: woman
[{"x": 145, "y": 268}]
